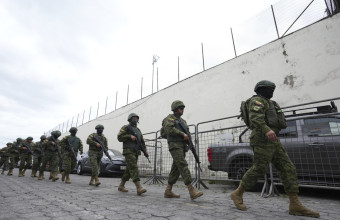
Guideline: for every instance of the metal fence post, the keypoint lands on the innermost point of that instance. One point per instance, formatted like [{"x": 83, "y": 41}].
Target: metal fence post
[
  {"x": 97, "y": 110},
  {"x": 72, "y": 121},
  {"x": 77, "y": 120},
  {"x": 232, "y": 37},
  {"x": 203, "y": 57},
  {"x": 116, "y": 100},
  {"x": 90, "y": 114},
  {"x": 82, "y": 121},
  {"x": 106, "y": 104},
  {"x": 277, "y": 31},
  {"x": 127, "y": 96}
]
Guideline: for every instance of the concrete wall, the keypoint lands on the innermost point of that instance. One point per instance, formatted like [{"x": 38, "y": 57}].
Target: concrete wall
[{"x": 304, "y": 65}]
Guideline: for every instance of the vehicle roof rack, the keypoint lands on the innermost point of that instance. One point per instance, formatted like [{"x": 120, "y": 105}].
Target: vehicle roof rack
[{"x": 319, "y": 110}]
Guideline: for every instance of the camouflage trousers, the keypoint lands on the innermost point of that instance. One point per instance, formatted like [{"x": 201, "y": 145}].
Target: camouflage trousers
[
  {"x": 131, "y": 168},
  {"x": 69, "y": 163},
  {"x": 14, "y": 161},
  {"x": 179, "y": 164},
  {"x": 25, "y": 161},
  {"x": 37, "y": 159},
  {"x": 53, "y": 159},
  {"x": 274, "y": 153},
  {"x": 95, "y": 158},
  {"x": 4, "y": 161}
]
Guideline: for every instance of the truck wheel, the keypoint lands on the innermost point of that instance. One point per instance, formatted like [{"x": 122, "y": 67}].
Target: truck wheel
[
  {"x": 240, "y": 168},
  {"x": 80, "y": 169}
]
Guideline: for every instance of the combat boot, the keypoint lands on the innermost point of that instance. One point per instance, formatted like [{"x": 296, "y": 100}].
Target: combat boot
[
  {"x": 68, "y": 181},
  {"x": 55, "y": 177},
  {"x": 3, "y": 171},
  {"x": 97, "y": 183},
  {"x": 91, "y": 183},
  {"x": 140, "y": 189},
  {"x": 23, "y": 172},
  {"x": 51, "y": 176},
  {"x": 194, "y": 194},
  {"x": 169, "y": 194},
  {"x": 63, "y": 176},
  {"x": 121, "y": 186},
  {"x": 41, "y": 175},
  {"x": 296, "y": 208},
  {"x": 10, "y": 172},
  {"x": 20, "y": 173},
  {"x": 237, "y": 197}
]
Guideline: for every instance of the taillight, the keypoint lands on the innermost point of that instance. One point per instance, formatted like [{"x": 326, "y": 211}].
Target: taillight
[{"x": 209, "y": 152}]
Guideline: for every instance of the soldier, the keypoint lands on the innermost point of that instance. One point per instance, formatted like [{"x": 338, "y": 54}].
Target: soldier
[
  {"x": 177, "y": 141},
  {"x": 13, "y": 155},
  {"x": 96, "y": 153},
  {"x": 4, "y": 157},
  {"x": 25, "y": 155},
  {"x": 51, "y": 155},
  {"x": 131, "y": 151},
  {"x": 266, "y": 120},
  {"x": 37, "y": 156},
  {"x": 69, "y": 157}
]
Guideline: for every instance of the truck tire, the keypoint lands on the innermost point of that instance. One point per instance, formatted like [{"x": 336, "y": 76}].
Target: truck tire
[{"x": 239, "y": 168}]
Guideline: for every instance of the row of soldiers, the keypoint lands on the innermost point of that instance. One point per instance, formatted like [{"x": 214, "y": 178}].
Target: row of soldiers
[
  {"x": 261, "y": 114},
  {"x": 59, "y": 156}
]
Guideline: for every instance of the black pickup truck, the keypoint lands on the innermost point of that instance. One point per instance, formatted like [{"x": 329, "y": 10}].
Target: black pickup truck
[{"x": 312, "y": 141}]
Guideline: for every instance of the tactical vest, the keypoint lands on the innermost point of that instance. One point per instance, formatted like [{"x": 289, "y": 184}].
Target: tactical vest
[
  {"x": 94, "y": 147},
  {"x": 177, "y": 126},
  {"x": 74, "y": 142},
  {"x": 275, "y": 117},
  {"x": 132, "y": 144}
]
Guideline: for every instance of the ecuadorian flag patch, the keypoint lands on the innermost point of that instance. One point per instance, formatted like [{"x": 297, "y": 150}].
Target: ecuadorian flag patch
[{"x": 258, "y": 103}]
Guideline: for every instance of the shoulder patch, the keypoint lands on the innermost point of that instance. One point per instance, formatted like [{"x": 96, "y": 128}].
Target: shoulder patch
[
  {"x": 258, "y": 103},
  {"x": 256, "y": 108}
]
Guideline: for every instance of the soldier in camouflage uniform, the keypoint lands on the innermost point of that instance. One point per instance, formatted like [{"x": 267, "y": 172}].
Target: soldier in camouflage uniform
[
  {"x": 37, "y": 156},
  {"x": 177, "y": 141},
  {"x": 4, "y": 157},
  {"x": 25, "y": 155},
  {"x": 266, "y": 120},
  {"x": 96, "y": 153},
  {"x": 69, "y": 162},
  {"x": 51, "y": 148},
  {"x": 13, "y": 155},
  {"x": 131, "y": 151}
]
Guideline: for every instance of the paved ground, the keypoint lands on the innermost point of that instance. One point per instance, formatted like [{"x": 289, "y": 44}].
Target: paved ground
[{"x": 28, "y": 198}]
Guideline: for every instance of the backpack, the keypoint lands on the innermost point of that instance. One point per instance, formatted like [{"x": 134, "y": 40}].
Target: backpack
[
  {"x": 163, "y": 133},
  {"x": 244, "y": 112}
]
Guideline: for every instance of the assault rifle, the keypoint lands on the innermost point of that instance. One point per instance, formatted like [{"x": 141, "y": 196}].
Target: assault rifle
[
  {"x": 96, "y": 139},
  {"x": 27, "y": 147},
  {"x": 56, "y": 147},
  {"x": 70, "y": 149},
  {"x": 139, "y": 143},
  {"x": 190, "y": 145},
  {"x": 41, "y": 149}
]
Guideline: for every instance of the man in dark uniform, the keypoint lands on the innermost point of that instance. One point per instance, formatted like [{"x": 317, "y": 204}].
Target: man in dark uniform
[
  {"x": 266, "y": 120},
  {"x": 65, "y": 144},
  {"x": 131, "y": 151},
  {"x": 177, "y": 141},
  {"x": 96, "y": 152}
]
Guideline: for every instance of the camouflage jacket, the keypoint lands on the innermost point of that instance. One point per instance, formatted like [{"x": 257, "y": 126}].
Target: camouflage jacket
[
  {"x": 4, "y": 152},
  {"x": 36, "y": 147},
  {"x": 14, "y": 150},
  {"x": 265, "y": 115},
  {"x": 48, "y": 147},
  {"x": 74, "y": 141},
  {"x": 129, "y": 146},
  {"x": 93, "y": 144},
  {"x": 172, "y": 128},
  {"x": 22, "y": 145}
]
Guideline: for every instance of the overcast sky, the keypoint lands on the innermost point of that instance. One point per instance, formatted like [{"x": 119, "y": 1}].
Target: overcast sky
[{"x": 58, "y": 58}]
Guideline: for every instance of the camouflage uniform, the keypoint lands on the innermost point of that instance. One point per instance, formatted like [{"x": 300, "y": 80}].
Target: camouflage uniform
[
  {"x": 266, "y": 120},
  {"x": 177, "y": 147},
  {"x": 265, "y": 115},
  {"x": 130, "y": 152},
  {"x": 37, "y": 155},
  {"x": 51, "y": 156},
  {"x": 95, "y": 152},
  {"x": 25, "y": 157},
  {"x": 4, "y": 158},
  {"x": 76, "y": 144},
  {"x": 13, "y": 152}
]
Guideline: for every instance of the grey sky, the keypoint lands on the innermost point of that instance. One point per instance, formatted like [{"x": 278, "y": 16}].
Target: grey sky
[{"x": 58, "y": 58}]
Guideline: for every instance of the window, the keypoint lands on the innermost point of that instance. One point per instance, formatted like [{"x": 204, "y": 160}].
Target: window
[
  {"x": 322, "y": 126},
  {"x": 290, "y": 131}
]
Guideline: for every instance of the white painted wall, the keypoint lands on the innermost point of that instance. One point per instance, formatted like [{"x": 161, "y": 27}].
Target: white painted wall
[{"x": 304, "y": 65}]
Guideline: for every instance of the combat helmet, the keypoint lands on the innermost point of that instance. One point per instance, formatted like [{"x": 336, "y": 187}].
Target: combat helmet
[
  {"x": 73, "y": 129},
  {"x": 42, "y": 137},
  {"x": 29, "y": 138},
  {"x": 176, "y": 104},
  {"x": 56, "y": 133},
  {"x": 264, "y": 83},
  {"x": 19, "y": 139},
  {"x": 9, "y": 143},
  {"x": 132, "y": 115},
  {"x": 99, "y": 126}
]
